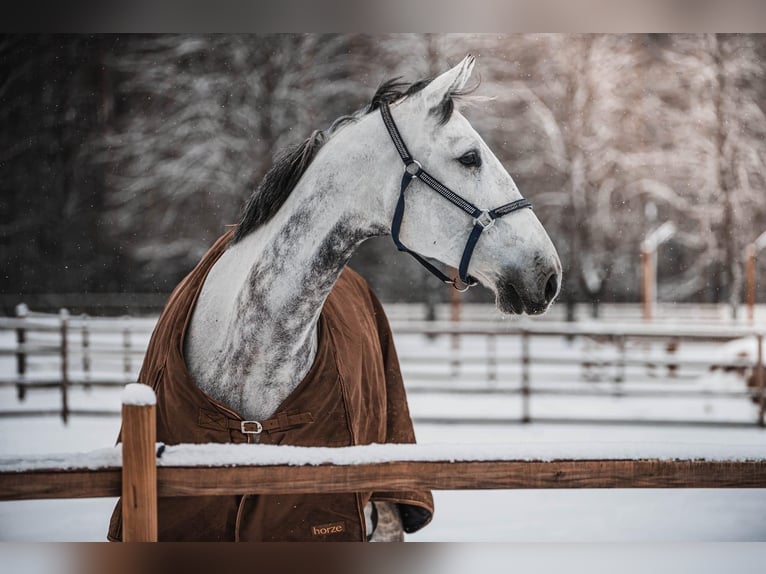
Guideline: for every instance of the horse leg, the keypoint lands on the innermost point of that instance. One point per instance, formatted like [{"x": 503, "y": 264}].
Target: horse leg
[{"x": 389, "y": 525}]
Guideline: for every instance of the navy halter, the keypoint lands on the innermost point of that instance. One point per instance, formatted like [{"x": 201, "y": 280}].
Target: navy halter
[{"x": 482, "y": 218}]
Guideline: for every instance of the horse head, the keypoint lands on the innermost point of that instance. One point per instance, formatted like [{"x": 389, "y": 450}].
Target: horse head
[{"x": 511, "y": 252}]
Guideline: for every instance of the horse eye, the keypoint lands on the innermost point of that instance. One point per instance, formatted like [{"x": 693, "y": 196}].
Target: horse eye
[{"x": 470, "y": 159}]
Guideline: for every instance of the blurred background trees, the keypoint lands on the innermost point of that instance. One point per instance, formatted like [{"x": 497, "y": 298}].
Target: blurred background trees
[{"x": 122, "y": 157}]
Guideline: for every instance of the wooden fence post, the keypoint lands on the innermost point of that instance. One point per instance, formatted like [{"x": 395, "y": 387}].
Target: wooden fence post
[
  {"x": 621, "y": 367},
  {"x": 85, "y": 332},
  {"x": 456, "y": 303},
  {"x": 525, "y": 390},
  {"x": 761, "y": 383},
  {"x": 492, "y": 358},
  {"x": 649, "y": 266},
  {"x": 647, "y": 284},
  {"x": 750, "y": 281},
  {"x": 126, "y": 344},
  {"x": 21, "y": 354},
  {"x": 64, "y": 318},
  {"x": 139, "y": 464}
]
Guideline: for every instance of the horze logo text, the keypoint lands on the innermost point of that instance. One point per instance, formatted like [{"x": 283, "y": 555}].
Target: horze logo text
[{"x": 324, "y": 529}]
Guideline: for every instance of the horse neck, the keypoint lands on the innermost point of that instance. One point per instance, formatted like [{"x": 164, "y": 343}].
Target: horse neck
[{"x": 264, "y": 296}]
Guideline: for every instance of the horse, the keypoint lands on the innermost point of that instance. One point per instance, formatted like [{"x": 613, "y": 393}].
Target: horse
[{"x": 253, "y": 334}]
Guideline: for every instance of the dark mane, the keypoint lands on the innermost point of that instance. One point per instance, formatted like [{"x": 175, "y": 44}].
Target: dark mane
[
  {"x": 394, "y": 90},
  {"x": 291, "y": 163}
]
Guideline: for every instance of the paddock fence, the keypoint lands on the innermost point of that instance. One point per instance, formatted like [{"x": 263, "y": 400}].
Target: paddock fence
[
  {"x": 62, "y": 351},
  {"x": 656, "y": 361},
  {"x": 482, "y": 356},
  {"x": 141, "y": 472}
]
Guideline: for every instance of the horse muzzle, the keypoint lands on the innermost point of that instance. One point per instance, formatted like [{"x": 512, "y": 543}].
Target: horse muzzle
[{"x": 516, "y": 296}]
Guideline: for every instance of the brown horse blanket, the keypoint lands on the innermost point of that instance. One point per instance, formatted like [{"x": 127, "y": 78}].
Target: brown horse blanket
[{"x": 352, "y": 395}]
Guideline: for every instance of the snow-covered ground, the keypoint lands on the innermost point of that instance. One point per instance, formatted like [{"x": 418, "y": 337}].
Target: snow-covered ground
[{"x": 520, "y": 516}]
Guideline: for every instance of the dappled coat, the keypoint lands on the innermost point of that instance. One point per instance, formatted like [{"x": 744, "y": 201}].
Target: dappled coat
[{"x": 352, "y": 395}]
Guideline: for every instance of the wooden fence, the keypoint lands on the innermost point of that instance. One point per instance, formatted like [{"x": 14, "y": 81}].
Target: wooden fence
[
  {"x": 61, "y": 351},
  {"x": 671, "y": 336},
  {"x": 76, "y": 343},
  {"x": 140, "y": 482}
]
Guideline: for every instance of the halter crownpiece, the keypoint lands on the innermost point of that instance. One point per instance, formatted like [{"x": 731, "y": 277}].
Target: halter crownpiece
[{"x": 482, "y": 218}]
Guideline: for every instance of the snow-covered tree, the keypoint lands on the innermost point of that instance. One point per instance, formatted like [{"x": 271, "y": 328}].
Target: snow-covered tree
[
  {"x": 615, "y": 134},
  {"x": 705, "y": 170},
  {"x": 203, "y": 117},
  {"x": 148, "y": 145},
  {"x": 557, "y": 121}
]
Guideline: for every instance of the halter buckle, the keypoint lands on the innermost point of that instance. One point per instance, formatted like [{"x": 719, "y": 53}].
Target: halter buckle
[
  {"x": 258, "y": 427},
  {"x": 413, "y": 168},
  {"x": 485, "y": 220}
]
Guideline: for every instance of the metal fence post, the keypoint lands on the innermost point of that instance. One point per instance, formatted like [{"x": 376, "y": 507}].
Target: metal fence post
[
  {"x": 139, "y": 464},
  {"x": 21, "y": 354}
]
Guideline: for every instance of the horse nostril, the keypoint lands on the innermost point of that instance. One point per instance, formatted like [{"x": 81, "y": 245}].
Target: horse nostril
[{"x": 551, "y": 286}]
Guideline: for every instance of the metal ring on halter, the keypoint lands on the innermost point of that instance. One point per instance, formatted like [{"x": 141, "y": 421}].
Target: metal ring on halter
[
  {"x": 466, "y": 287},
  {"x": 485, "y": 220},
  {"x": 413, "y": 168}
]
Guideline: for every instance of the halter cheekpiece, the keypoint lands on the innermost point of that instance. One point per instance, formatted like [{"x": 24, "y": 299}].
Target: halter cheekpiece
[{"x": 482, "y": 218}]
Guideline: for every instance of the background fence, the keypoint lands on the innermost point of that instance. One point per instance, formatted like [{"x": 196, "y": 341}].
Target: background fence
[{"x": 483, "y": 356}]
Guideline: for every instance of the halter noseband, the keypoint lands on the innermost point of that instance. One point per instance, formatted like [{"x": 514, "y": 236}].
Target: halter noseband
[{"x": 482, "y": 218}]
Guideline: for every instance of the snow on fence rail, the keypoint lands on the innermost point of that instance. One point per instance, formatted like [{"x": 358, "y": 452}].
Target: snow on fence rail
[
  {"x": 117, "y": 345},
  {"x": 141, "y": 472}
]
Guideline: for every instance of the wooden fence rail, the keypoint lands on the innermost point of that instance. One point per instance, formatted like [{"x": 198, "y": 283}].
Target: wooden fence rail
[
  {"x": 392, "y": 476},
  {"x": 211, "y": 470}
]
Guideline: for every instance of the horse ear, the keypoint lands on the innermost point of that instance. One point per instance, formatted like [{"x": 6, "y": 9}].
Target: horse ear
[{"x": 449, "y": 82}]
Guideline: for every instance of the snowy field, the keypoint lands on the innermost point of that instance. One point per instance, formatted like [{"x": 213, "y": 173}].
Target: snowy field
[{"x": 509, "y": 516}]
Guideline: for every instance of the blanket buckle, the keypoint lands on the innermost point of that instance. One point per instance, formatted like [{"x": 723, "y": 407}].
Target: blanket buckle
[{"x": 258, "y": 427}]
